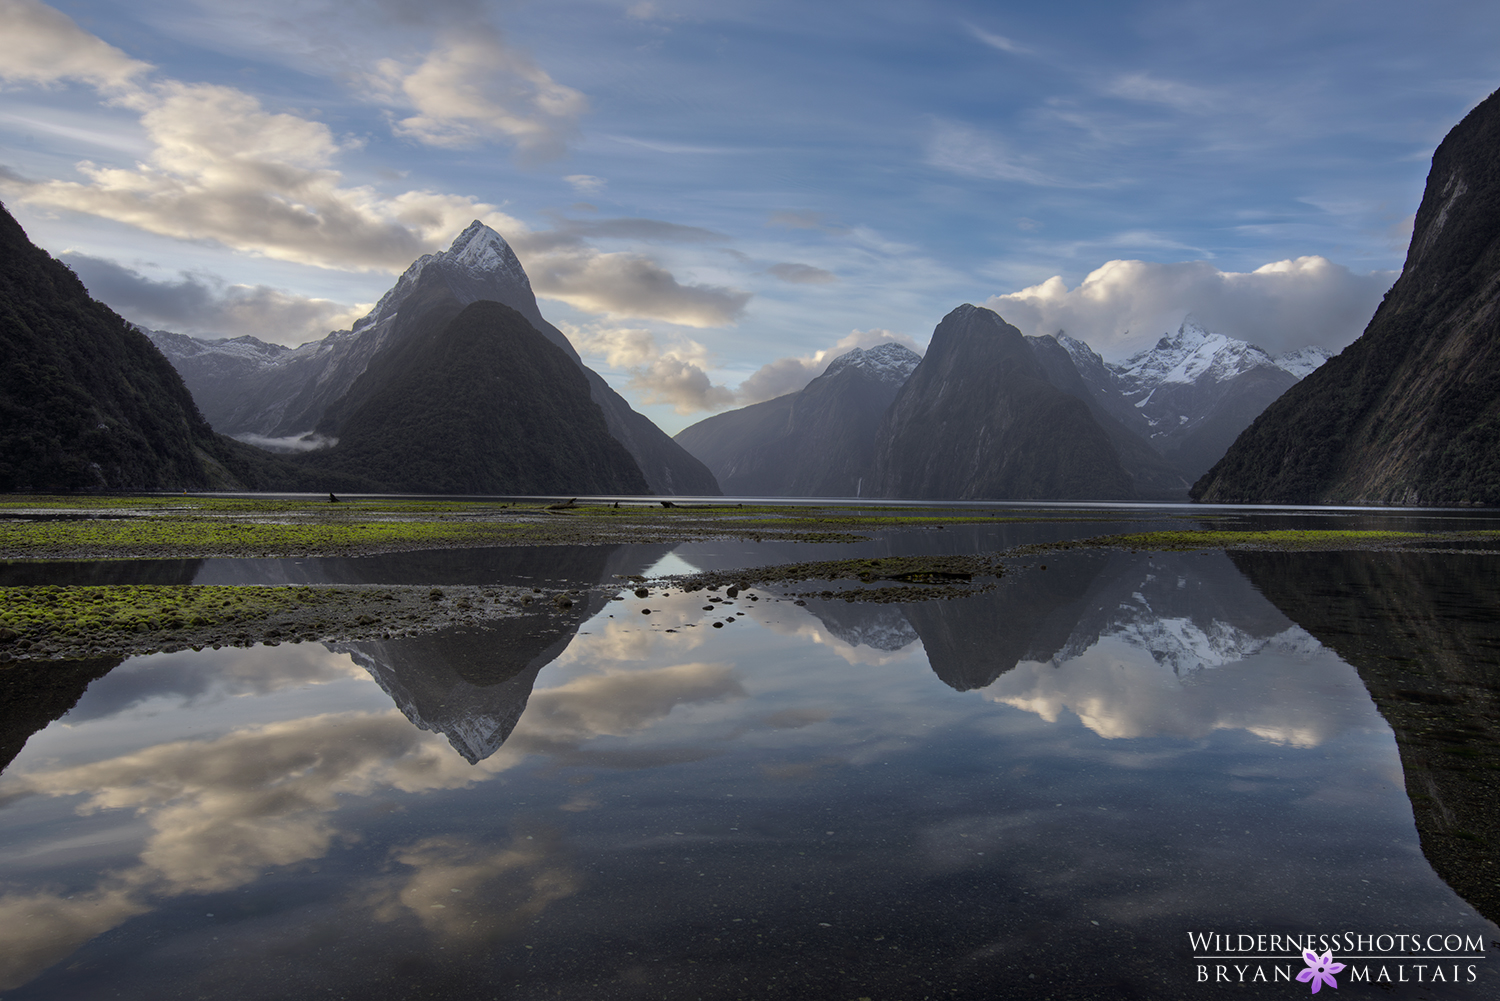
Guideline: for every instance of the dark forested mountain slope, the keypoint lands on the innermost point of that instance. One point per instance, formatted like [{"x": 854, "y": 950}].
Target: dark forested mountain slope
[
  {"x": 477, "y": 401},
  {"x": 1410, "y": 412},
  {"x": 88, "y": 403}
]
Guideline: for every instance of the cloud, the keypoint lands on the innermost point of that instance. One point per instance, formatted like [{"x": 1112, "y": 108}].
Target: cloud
[
  {"x": 1182, "y": 96},
  {"x": 624, "y": 285},
  {"x": 222, "y": 168},
  {"x": 802, "y": 274},
  {"x": 676, "y": 376},
  {"x": 586, "y": 184},
  {"x": 1126, "y": 305},
  {"x": 207, "y": 305},
  {"x": 789, "y": 374},
  {"x": 44, "y": 46},
  {"x": 467, "y": 894},
  {"x": 220, "y": 812},
  {"x": 997, "y": 41},
  {"x": 636, "y": 229},
  {"x": 964, "y": 150},
  {"x": 475, "y": 88}
]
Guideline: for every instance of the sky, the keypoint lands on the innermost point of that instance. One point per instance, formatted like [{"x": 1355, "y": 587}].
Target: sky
[{"x": 713, "y": 200}]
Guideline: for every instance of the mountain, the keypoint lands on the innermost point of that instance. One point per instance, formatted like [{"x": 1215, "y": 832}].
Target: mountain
[
  {"x": 88, "y": 403},
  {"x": 979, "y": 419},
  {"x": 1152, "y": 476},
  {"x": 474, "y": 400},
  {"x": 817, "y": 442},
  {"x": 1192, "y": 393},
  {"x": 260, "y": 391},
  {"x": 1410, "y": 412}
]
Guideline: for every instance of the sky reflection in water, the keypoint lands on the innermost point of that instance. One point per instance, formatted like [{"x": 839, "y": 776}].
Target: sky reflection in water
[{"x": 1045, "y": 786}]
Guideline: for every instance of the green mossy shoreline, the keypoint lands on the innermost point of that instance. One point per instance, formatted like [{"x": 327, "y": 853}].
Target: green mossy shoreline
[{"x": 72, "y": 623}]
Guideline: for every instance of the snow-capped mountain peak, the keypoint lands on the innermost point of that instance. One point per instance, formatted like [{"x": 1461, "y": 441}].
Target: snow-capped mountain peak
[
  {"x": 480, "y": 250},
  {"x": 889, "y": 362},
  {"x": 1304, "y": 361},
  {"x": 478, "y": 253},
  {"x": 1189, "y": 356}
]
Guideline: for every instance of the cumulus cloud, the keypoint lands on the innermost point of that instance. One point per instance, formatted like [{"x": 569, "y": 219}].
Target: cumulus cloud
[
  {"x": 223, "y": 168},
  {"x": 475, "y": 88},
  {"x": 676, "y": 375},
  {"x": 1126, "y": 305},
  {"x": 802, "y": 274},
  {"x": 789, "y": 374},
  {"x": 44, "y": 46},
  {"x": 207, "y": 305}
]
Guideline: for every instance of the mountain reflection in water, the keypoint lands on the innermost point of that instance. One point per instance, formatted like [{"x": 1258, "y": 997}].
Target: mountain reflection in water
[{"x": 1036, "y": 791}]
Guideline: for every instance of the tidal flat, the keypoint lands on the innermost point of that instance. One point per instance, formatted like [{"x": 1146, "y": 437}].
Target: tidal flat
[{"x": 963, "y": 751}]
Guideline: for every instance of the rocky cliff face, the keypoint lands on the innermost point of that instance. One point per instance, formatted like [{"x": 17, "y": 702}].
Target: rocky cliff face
[
  {"x": 979, "y": 419},
  {"x": 1410, "y": 412},
  {"x": 257, "y": 391},
  {"x": 818, "y": 442}
]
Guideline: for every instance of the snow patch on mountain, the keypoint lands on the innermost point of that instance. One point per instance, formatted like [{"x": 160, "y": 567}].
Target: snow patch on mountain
[
  {"x": 1304, "y": 361},
  {"x": 478, "y": 252},
  {"x": 890, "y": 363}
]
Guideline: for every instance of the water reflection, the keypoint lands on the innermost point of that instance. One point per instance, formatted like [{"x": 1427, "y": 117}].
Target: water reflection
[{"x": 1034, "y": 791}]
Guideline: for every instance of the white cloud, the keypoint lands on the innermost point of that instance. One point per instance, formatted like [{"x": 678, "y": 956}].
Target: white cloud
[
  {"x": 45, "y": 46},
  {"x": 586, "y": 184},
  {"x": 207, "y": 305},
  {"x": 222, "y": 168},
  {"x": 676, "y": 376},
  {"x": 1126, "y": 305},
  {"x": 475, "y": 88}
]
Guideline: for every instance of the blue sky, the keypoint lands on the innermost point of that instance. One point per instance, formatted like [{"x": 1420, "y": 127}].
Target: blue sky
[{"x": 713, "y": 199}]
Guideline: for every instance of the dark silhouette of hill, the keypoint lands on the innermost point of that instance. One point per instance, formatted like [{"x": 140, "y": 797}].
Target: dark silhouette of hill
[
  {"x": 978, "y": 419},
  {"x": 88, "y": 403},
  {"x": 475, "y": 400},
  {"x": 817, "y": 442}
]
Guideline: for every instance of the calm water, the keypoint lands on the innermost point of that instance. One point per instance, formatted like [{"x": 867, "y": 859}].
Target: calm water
[{"x": 1041, "y": 791}]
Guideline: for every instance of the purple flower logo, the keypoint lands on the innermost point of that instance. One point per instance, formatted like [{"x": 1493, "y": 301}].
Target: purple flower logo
[{"x": 1320, "y": 969}]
